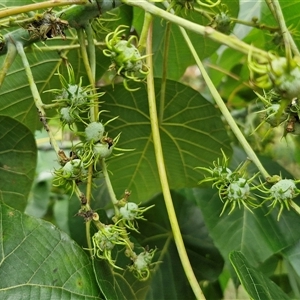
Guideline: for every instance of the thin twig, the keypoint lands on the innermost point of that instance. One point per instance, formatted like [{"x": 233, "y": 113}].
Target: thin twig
[
  {"x": 163, "y": 176},
  {"x": 36, "y": 6},
  {"x": 37, "y": 98}
]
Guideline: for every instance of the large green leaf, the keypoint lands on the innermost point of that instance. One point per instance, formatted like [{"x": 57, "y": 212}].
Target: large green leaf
[
  {"x": 256, "y": 284},
  {"x": 17, "y": 162},
  {"x": 257, "y": 235},
  {"x": 179, "y": 56},
  {"x": 192, "y": 134},
  {"x": 40, "y": 262},
  {"x": 292, "y": 254},
  {"x": 112, "y": 285}
]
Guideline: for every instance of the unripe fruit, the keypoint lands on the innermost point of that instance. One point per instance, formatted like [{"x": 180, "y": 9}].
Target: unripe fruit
[
  {"x": 75, "y": 93},
  {"x": 94, "y": 131},
  {"x": 239, "y": 189},
  {"x": 129, "y": 211},
  {"x": 127, "y": 55},
  {"x": 68, "y": 116},
  {"x": 73, "y": 169},
  {"x": 102, "y": 150},
  {"x": 284, "y": 189},
  {"x": 106, "y": 238}
]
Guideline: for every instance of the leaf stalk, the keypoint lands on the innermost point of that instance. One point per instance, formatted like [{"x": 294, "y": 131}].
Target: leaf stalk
[{"x": 163, "y": 175}]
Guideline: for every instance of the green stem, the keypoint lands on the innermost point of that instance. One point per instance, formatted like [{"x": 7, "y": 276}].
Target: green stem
[
  {"x": 289, "y": 42},
  {"x": 36, "y": 97},
  {"x": 237, "y": 132},
  {"x": 76, "y": 15},
  {"x": 295, "y": 206},
  {"x": 88, "y": 237},
  {"x": 91, "y": 49},
  {"x": 230, "y": 41},
  {"x": 60, "y": 48},
  {"x": 92, "y": 59},
  {"x": 9, "y": 59},
  {"x": 89, "y": 62},
  {"x": 255, "y": 25},
  {"x": 143, "y": 37},
  {"x": 85, "y": 59},
  {"x": 36, "y": 6},
  {"x": 163, "y": 175},
  {"x": 109, "y": 186},
  {"x": 86, "y": 207},
  {"x": 207, "y": 14},
  {"x": 284, "y": 30},
  {"x": 90, "y": 70},
  {"x": 164, "y": 73}
]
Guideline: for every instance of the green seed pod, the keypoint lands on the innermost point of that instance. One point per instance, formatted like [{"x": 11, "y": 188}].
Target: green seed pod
[
  {"x": 94, "y": 131},
  {"x": 106, "y": 238},
  {"x": 237, "y": 190},
  {"x": 284, "y": 189},
  {"x": 68, "y": 115},
  {"x": 222, "y": 23},
  {"x": 125, "y": 55},
  {"x": 143, "y": 260},
  {"x": 102, "y": 150},
  {"x": 129, "y": 211},
  {"x": 73, "y": 169},
  {"x": 76, "y": 94}
]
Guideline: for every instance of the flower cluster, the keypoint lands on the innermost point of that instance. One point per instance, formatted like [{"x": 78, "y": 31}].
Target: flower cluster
[
  {"x": 69, "y": 175},
  {"x": 73, "y": 100},
  {"x": 281, "y": 194},
  {"x": 126, "y": 58},
  {"x": 141, "y": 264},
  {"x": 278, "y": 112},
  {"x": 129, "y": 212},
  {"x": 74, "y": 103},
  {"x": 234, "y": 189},
  {"x": 108, "y": 236}
]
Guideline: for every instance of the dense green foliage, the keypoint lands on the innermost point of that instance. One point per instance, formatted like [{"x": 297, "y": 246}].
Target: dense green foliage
[{"x": 83, "y": 210}]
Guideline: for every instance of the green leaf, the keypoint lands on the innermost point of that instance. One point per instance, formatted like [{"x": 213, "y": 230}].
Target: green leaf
[
  {"x": 113, "y": 286},
  {"x": 17, "y": 162},
  {"x": 292, "y": 254},
  {"x": 192, "y": 134},
  {"x": 40, "y": 262},
  {"x": 256, "y": 284}
]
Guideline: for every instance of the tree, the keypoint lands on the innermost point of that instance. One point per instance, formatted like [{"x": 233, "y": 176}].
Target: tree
[{"x": 161, "y": 185}]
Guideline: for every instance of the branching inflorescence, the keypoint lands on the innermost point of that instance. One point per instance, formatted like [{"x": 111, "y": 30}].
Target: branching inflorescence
[
  {"x": 237, "y": 189},
  {"x": 74, "y": 102}
]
